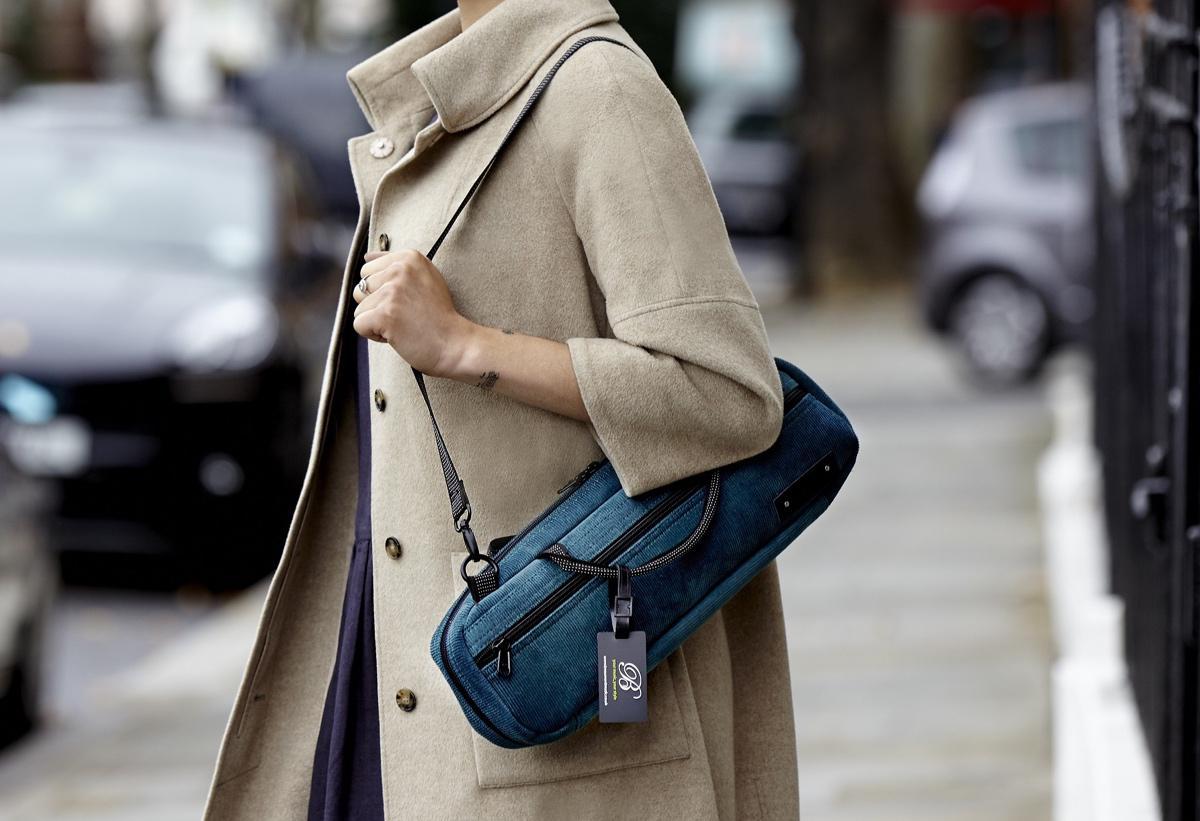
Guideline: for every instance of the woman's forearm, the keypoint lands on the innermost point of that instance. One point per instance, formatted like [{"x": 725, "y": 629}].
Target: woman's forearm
[
  {"x": 404, "y": 301},
  {"x": 530, "y": 369}
]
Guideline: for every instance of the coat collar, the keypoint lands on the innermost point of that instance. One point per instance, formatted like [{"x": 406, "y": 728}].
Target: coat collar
[{"x": 467, "y": 76}]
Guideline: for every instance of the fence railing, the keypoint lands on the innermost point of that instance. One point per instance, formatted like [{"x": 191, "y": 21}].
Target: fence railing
[{"x": 1146, "y": 362}]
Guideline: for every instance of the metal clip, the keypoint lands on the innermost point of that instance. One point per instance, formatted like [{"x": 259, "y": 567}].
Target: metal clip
[{"x": 469, "y": 538}]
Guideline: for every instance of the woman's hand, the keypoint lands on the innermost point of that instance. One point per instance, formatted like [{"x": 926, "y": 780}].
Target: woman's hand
[{"x": 407, "y": 304}]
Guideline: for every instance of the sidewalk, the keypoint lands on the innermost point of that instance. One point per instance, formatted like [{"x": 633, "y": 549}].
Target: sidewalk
[
  {"x": 145, "y": 752},
  {"x": 917, "y": 620},
  {"x": 916, "y": 611}
]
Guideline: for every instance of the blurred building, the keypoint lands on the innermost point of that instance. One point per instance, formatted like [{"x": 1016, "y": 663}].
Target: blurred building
[{"x": 187, "y": 46}]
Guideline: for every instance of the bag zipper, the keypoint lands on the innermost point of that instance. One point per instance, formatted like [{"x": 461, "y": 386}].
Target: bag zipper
[
  {"x": 579, "y": 479},
  {"x": 501, "y": 648},
  {"x": 457, "y": 682},
  {"x": 591, "y": 468},
  {"x": 790, "y": 398}
]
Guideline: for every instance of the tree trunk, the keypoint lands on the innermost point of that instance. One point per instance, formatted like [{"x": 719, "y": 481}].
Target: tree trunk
[{"x": 856, "y": 217}]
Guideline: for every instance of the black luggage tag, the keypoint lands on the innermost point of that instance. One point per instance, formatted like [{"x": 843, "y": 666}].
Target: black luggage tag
[{"x": 621, "y": 660}]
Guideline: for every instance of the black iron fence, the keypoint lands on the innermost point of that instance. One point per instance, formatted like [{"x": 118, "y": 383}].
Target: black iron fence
[{"x": 1147, "y": 361}]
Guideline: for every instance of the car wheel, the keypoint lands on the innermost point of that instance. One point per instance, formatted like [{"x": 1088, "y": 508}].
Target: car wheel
[{"x": 1002, "y": 327}]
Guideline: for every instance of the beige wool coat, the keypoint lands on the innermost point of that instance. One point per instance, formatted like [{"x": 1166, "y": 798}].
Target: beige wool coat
[{"x": 598, "y": 228}]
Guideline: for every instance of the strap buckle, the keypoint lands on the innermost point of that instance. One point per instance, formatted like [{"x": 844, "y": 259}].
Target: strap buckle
[
  {"x": 481, "y": 557},
  {"x": 483, "y": 582}
]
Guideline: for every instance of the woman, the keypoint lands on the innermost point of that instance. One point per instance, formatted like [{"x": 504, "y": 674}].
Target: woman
[{"x": 587, "y": 305}]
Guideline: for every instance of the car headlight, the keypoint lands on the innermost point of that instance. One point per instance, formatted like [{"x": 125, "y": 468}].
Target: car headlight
[
  {"x": 26, "y": 401},
  {"x": 236, "y": 334}
]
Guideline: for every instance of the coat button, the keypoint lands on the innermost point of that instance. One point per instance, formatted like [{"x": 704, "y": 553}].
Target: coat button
[
  {"x": 392, "y": 546},
  {"x": 382, "y": 147},
  {"x": 385, "y": 242},
  {"x": 406, "y": 700},
  {"x": 380, "y": 400}
]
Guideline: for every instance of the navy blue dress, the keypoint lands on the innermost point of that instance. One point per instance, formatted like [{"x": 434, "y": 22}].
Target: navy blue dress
[
  {"x": 346, "y": 777},
  {"x": 347, "y": 780}
]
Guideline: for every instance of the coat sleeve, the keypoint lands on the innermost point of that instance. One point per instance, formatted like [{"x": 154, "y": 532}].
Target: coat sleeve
[{"x": 685, "y": 381}]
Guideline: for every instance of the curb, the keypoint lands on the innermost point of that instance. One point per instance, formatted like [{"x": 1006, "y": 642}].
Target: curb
[{"x": 1102, "y": 769}]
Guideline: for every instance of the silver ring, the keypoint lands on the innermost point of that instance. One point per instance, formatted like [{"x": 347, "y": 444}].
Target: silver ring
[{"x": 362, "y": 286}]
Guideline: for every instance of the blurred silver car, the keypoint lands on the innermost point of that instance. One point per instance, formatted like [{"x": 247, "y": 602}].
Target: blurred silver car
[{"x": 1007, "y": 208}]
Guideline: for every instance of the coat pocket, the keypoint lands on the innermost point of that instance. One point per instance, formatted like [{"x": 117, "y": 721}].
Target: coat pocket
[{"x": 597, "y": 748}]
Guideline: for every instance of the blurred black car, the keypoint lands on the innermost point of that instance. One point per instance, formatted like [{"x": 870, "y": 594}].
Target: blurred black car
[
  {"x": 152, "y": 282},
  {"x": 1006, "y": 201},
  {"x": 280, "y": 99}
]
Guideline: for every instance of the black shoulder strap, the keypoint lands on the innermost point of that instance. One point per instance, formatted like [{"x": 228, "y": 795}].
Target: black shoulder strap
[{"x": 460, "y": 506}]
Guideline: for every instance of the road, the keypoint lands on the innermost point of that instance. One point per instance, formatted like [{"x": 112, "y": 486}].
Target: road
[
  {"x": 97, "y": 633},
  {"x": 916, "y": 618}
]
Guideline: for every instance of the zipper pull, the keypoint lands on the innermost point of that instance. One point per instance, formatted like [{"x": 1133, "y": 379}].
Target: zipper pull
[
  {"x": 503, "y": 657},
  {"x": 579, "y": 477}
]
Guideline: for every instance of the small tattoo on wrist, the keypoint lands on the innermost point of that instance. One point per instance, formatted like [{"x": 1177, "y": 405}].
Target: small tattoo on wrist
[
  {"x": 507, "y": 331},
  {"x": 487, "y": 379}
]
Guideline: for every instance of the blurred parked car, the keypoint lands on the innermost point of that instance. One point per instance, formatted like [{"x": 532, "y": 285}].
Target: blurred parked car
[
  {"x": 152, "y": 281},
  {"x": 281, "y": 98},
  {"x": 752, "y": 161},
  {"x": 1007, "y": 265},
  {"x": 28, "y": 579}
]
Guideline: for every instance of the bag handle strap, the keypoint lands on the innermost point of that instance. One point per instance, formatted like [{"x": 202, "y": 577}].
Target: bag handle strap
[
  {"x": 486, "y": 580},
  {"x": 562, "y": 557}
]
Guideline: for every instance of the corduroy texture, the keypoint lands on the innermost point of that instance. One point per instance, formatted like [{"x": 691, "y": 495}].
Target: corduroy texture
[
  {"x": 598, "y": 228},
  {"x": 542, "y": 686}
]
